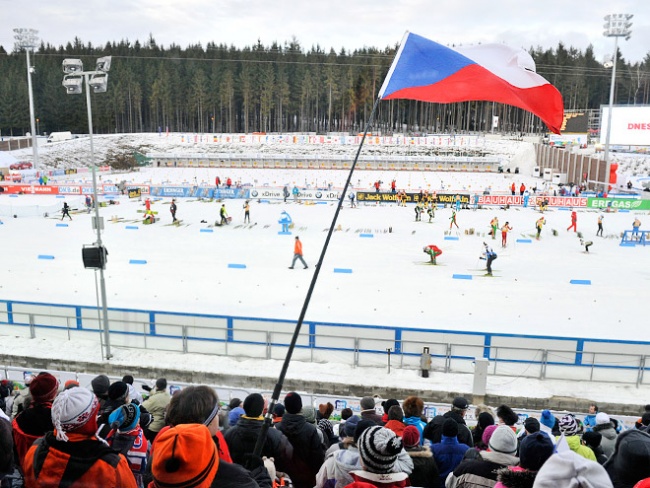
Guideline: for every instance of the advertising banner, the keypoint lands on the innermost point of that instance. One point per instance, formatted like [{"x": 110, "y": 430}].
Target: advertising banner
[
  {"x": 441, "y": 198},
  {"x": 618, "y": 203},
  {"x": 630, "y": 125}
]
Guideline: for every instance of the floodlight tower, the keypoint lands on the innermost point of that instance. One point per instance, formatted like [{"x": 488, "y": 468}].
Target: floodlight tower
[
  {"x": 616, "y": 25},
  {"x": 97, "y": 80},
  {"x": 27, "y": 39}
]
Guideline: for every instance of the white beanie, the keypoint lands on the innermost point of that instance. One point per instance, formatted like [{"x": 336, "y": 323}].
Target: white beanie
[
  {"x": 602, "y": 418},
  {"x": 71, "y": 409},
  {"x": 503, "y": 440}
]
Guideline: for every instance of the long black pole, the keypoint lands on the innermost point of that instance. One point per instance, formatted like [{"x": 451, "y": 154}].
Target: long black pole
[{"x": 296, "y": 332}]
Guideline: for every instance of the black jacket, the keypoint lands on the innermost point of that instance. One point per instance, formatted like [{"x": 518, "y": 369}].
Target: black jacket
[
  {"x": 308, "y": 450},
  {"x": 242, "y": 437},
  {"x": 230, "y": 475},
  {"x": 433, "y": 430}
]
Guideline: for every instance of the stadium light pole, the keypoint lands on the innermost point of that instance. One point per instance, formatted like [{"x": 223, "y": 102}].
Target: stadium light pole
[
  {"x": 616, "y": 25},
  {"x": 27, "y": 39},
  {"x": 73, "y": 81}
]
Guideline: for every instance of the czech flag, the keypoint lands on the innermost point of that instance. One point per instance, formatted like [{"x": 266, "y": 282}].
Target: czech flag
[{"x": 430, "y": 72}]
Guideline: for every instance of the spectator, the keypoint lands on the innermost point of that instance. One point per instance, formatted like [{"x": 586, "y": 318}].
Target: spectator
[
  {"x": 482, "y": 471},
  {"x": 235, "y": 411},
  {"x": 507, "y": 416},
  {"x": 100, "y": 385},
  {"x": 549, "y": 424},
  {"x": 593, "y": 441},
  {"x": 590, "y": 419},
  {"x": 531, "y": 426},
  {"x": 425, "y": 470},
  {"x": 413, "y": 408},
  {"x": 378, "y": 449},
  {"x": 386, "y": 405},
  {"x": 485, "y": 419},
  {"x": 368, "y": 411},
  {"x": 448, "y": 453},
  {"x": 23, "y": 399},
  {"x": 242, "y": 437},
  {"x": 134, "y": 394},
  {"x": 6, "y": 446},
  {"x": 567, "y": 469},
  {"x": 308, "y": 450},
  {"x": 200, "y": 405},
  {"x": 118, "y": 395},
  {"x": 346, "y": 413},
  {"x": 126, "y": 437},
  {"x": 396, "y": 420},
  {"x": 630, "y": 461},
  {"x": 156, "y": 405},
  {"x": 327, "y": 429},
  {"x": 569, "y": 428},
  {"x": 278, "y": 412},
  {"x": 606, "y": 429},
  {"x": 535, "y": 450},
  {"x": 335, "y": 471},
  {"x": 324, "y": 411},
  {"x": 433, "y": 430},
  {"x": 71, "y": 455},
  {"x": 36, "y": 419},
  {"x": 346, "y": 435},
  {"x": 185, "y": 456}
]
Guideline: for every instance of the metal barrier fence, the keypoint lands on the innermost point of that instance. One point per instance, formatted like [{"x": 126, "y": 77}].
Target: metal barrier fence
[{"x": 355, "y": 344}]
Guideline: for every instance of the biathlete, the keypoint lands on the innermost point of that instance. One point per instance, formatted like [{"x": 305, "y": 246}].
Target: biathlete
[
  {"x": 453, "y": 220},
  {"x": 504, "y": 234},
  {"x": 538, "y": 225},
  {"x": 433, "y": 251}
]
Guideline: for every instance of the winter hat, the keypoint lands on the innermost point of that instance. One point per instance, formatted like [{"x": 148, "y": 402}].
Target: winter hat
[
  {"x": 460, "y": 403},
  {"x": 531, "y": 424},
  {"x": 602, "y": 418},
  {"x": 643, "y": 483},
  {"x": 362, "y": 425},
  {"x": 161, "y": 384},
  {"x": 367, "y": 403},
  {"x": 503, "y": 440},
  {"x": 411, "y": 436},
  {"x": 547, "y": 419},
  {"x": 534, "y": 450},
  {"x": 630, "y": 461},
  {"x": 386, "y": 404},
  {"x": 396, "y": 413},
  {"x": 567, "y": 469},
  {"x": 293, "y": 402},
  {"x": 592, "y": 438},
  {"x": 254, "y": 405},
  {"x": 234, "y": 414},
  {"x": 118, "y": 391},
  {"x": 125, "y": 418},
  {"x": 450, "y": 428},
  {"x": 507, "y": 415},
  {"x": 100, "y": 384},
  {"x": 485, "y": 419},
  {"x": 234, "y": 403},
  {"x": 278, "y": 410},
  {"x": 568, "y": 425},
  {"x": 185, "y": 456},
  {"x": 325, "y": 410},
  {"x": 128, "y": 379},
  {"x": 413, "y": 406},
  {"x": 350, "y": 425},
  {"x": 75, "y": 410},
  {"x": 309, "y": 413},
  {"x": 326, "y": 428},
  {"x": 70, "y": 384},
  {"x": 487, "y": 433},
  {"x": 44, "y": 388},
  {"x": 378, "y": 448}
]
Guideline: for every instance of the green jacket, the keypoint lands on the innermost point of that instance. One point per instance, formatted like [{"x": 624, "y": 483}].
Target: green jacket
[
  {"x": 156, "y": 405},
  {"x": 576, "y": 446}
]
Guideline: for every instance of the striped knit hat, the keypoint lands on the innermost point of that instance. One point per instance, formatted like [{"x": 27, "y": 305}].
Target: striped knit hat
[
  {"x": 568, "y": 425},
  {"x": 379, "y": 448}
]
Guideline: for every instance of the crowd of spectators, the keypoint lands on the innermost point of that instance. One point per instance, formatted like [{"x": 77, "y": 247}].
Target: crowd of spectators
[{"x": 108, "y": 435}]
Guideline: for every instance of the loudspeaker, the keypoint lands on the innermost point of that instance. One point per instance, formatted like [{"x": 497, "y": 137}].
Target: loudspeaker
[{"x": 94, "y": 257}]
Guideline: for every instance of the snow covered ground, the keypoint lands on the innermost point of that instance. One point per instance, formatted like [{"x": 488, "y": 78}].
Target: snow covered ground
[{"x": 186, "y": 271}]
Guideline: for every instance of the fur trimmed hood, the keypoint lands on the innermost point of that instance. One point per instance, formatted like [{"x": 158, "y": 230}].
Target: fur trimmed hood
[{"x": 515, "y": 477}]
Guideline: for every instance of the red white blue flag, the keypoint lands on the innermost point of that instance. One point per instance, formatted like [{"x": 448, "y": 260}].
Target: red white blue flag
[{"x": 430, "y": 72}]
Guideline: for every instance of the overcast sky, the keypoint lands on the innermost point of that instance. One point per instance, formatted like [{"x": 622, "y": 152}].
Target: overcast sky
[{"x": 333, "y": 24}]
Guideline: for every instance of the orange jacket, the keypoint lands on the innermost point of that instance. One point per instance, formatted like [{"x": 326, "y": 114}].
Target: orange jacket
[
  {"x": 297, "y": 248},
  {"x": 48, "y": 464}
]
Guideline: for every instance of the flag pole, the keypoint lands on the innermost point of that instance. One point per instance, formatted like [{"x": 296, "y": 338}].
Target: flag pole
[{"x": 296, "y": 332}]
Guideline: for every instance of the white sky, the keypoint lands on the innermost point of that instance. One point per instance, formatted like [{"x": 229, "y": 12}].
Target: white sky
[
  {"x": 336, "y": 24},
  {"x": 187, "y": 270}
]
